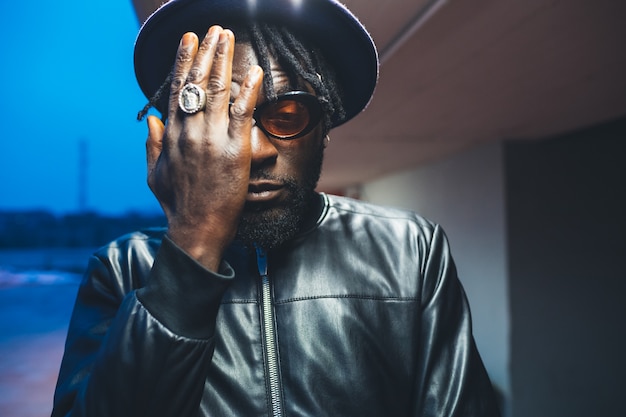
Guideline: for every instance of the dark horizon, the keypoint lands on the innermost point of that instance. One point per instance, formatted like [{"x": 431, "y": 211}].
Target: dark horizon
[{"x": 46, "y": 229}]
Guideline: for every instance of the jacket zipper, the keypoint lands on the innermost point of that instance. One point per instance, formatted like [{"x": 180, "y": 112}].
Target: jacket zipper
[{"x": 270, "y": 335}]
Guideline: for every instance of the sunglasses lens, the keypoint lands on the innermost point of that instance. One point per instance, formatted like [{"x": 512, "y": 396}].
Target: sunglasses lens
[{"x": 285, "y": 118}]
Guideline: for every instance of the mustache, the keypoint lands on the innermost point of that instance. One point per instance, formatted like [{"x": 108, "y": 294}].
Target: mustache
[{"x": 288, "y": 181}]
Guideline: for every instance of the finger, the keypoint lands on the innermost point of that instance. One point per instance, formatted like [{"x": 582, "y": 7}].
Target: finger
[
  {"x": 154, "y": 144},
  {"x": 199, "y": 72},
  {"x": 184, "y": 59},
  {"x": 218, "y": 88},
  {"x": 243, "y": 108}
]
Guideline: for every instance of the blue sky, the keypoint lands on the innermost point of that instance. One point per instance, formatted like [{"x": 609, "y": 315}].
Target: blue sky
[{"x": 67, "y": 76}]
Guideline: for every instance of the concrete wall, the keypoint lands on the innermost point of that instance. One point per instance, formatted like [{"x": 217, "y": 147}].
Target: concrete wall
[
  {"x": 465, "y": 194},
  {"x": 566, "y": 201}
]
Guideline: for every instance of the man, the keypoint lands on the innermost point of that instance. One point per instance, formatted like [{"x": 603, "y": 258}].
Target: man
[{"x": 264, "y": 297}]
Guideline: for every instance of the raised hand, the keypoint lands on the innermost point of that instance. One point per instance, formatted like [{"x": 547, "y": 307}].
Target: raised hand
[{"x": 199, "y": 164}]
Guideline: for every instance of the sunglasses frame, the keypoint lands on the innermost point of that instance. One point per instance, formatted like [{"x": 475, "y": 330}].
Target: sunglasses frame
[{"x": 309, "y": 100}]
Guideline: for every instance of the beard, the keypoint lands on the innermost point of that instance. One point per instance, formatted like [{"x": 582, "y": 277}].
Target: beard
[{"x": 270, "y": 227}]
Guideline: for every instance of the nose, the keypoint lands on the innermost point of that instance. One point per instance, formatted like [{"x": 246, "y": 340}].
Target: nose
[{"x": 264, "y": 153}]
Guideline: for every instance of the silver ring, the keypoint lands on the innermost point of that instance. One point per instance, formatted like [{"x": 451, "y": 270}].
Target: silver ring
[{"x": 191, "y": 99}]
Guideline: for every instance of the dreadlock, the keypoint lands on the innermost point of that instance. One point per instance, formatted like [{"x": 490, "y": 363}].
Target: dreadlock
[{"x": 297, "y": 60}]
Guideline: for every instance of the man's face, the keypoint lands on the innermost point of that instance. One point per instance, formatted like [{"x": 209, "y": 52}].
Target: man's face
[{"x": 283, "y": 174}]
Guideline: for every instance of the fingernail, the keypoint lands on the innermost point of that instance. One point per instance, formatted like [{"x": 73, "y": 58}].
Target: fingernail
[
  {"x": 187, "y": 39},
  {"x": 223, "y": 37},
  {"x": 213, "y": 30},
  {"x": 257, "y": 72}
]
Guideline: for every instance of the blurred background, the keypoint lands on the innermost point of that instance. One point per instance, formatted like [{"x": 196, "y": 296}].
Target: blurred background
[
  {"x": 503, "y": 120},
  {"x": 72, "y": 174}
]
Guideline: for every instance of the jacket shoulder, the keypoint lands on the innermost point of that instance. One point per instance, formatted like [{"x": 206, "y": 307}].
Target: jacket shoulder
[
  {"x": 375, "y": 212},
  {"x": 124, "y": 263}
]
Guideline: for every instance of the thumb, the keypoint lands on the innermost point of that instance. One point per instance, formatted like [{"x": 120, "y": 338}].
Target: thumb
[{"x": 154, "y": 143}]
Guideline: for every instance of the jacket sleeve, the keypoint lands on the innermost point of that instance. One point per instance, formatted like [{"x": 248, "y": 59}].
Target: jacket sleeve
[
  {"x": 452, "y": 380},
  {"x": 140, "y": 352}
]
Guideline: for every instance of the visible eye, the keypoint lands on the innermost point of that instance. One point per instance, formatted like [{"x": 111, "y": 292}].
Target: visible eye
[{"x": 285, "y": 118}]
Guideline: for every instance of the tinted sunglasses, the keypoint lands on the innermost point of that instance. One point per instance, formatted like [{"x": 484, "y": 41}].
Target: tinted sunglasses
[{"x": 289, "y": 116}]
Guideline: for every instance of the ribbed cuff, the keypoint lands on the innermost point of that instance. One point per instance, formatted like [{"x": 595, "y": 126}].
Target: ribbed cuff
[{"x": 182, "y": 294}]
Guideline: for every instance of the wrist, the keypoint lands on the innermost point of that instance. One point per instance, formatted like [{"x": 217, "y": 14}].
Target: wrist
[{"x": 206, "y": 247}]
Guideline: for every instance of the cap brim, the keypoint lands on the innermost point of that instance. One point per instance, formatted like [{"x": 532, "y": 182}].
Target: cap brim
[{"x": 327, "y": 24}]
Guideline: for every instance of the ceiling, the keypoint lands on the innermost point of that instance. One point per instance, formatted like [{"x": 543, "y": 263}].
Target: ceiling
[{"x": 456, "y": 74}]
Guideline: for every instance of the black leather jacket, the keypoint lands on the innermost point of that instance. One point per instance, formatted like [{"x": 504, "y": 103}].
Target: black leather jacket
[{"x": 361, "y": 315}]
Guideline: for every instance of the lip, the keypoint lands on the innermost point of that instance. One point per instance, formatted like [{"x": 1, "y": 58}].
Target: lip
[{"x": 263, "y": 191}]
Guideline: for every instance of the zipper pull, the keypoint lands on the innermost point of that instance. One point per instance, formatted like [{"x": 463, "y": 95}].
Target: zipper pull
[{"x": 261, "y": 260}]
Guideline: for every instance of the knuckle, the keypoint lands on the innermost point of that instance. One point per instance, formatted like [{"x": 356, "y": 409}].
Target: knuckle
[
  {"x": 216, "y": 85},
  {"x": 184, "y": 55},
  {"x": 177, "y": 82},
  {"x": 188, "y": 145},
  {"x": 238, "y": 110},
  {"x": 195, "y": 75},
  {"x": 205, "y": 46}
]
